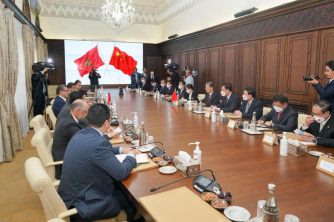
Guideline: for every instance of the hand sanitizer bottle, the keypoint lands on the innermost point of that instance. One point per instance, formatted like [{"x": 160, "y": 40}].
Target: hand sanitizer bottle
[
  {"x": 284, "y": 145},
  {"x": 197, "y": 154},
  {"x": 135, "y": 120}
]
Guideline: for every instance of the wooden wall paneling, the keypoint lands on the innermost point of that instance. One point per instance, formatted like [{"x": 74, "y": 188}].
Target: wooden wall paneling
[
  {"x": 175, "y": 58},
  {"x": 214, "y": 67},
  {"x": 57, "y": 54},
  {"x": 249, "y": 66},
  {"x": 301, "y": 60},
  {"x": 272, "y": 67},
  {"x": 201, "y": 65},
  {"x": 154, "y": 63},
  {"x": 230, "y": 66},
  {"x": 183, "y": 60}
]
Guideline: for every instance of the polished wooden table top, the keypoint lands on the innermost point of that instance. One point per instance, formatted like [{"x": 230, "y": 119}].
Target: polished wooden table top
[{"x": 243, "y": 165}]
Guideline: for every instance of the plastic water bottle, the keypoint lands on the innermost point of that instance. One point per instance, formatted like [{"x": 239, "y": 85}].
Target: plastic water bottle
[{"x": 283, "y": 150}]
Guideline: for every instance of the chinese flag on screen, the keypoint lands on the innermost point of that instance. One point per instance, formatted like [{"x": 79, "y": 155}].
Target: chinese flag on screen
[
  {"x": 88, "y": 61},
  {"x": 122, "y": 61}
]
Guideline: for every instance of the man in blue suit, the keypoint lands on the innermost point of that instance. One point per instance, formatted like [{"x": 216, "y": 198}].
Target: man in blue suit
[
  {"x": 91, "y": 169},
  {"x": 230, "y": 101},
  {"x": 249, "y": 105},
  {"x": 135, "y": 79},
  {"x": 326, "y": 93},
  {"x": 60, "y": 100}
]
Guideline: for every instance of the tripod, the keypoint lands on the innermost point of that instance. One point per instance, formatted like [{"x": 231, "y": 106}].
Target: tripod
[{"x": 34, "y": 100}]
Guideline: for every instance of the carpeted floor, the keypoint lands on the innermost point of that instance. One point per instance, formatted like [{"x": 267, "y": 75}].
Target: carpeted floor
[{"x": 18, "y": 203}]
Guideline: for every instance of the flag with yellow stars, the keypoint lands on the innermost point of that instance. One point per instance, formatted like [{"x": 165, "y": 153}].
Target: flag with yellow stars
[
  {"x": 88, "y": 61},
  {"x": 122, "y": 61}
]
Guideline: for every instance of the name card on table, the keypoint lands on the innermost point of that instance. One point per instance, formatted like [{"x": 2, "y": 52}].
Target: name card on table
[
  {"x": 208, "y": 114},
  {"x": 176, "y": 103},
  {"x": 232, "y": 124},
  {"x": 190, "y": 108},
  {"x": 270, "y": 139},
  {"x": 326, "y": 165}
]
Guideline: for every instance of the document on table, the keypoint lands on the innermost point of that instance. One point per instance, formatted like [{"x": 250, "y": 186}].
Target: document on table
[{"x": 141, "y": 158}]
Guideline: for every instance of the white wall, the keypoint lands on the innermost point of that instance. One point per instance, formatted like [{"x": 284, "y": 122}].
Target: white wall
[
  {"x": 60, "y": 28},
  {"x": 210, "y": 13}
]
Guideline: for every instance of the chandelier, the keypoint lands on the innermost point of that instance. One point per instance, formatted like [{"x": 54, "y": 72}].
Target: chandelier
[{"x": 118, "y": 14}]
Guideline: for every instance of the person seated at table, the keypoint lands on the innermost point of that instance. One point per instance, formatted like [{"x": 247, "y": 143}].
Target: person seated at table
[
  {"x": 282, "y": 116},
  {"x": 182, "y": 92},
  {"x": 91, "y": 170},
  {"x": 144, "y": 85},
  {"x": 164, "y": 89},
  {"x": 170, "y": 88},
  {"x": 155, "y": 87},
  {"x": 249, "y": 105},
  {"x": 191, "y": 94},
  {"x": 319, "y": 128},
  {"x": 230, "y": 101},
  {"x": 60, "y": 100},
  {"x": 211, "y": 97},
  {"x": 73, "y": 96}
]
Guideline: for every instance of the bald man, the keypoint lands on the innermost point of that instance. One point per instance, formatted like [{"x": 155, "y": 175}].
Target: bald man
[{"x": 66, "y": 128}]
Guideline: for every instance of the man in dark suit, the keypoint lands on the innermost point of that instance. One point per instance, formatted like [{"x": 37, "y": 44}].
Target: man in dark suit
[
  {"x": 60, "y": 100},
  {"x": 77, "y": 85},
  {"x": 164, "y": 89},
  {"x": 211, "y": 97},
  {"x": 66, "y": 128},
  {"x": 94, "y": 79},
  {"x": 170, "y": 88},
  {"x": 326, "y": 93},
  {"x": 249, "y": 105},
  {"x": 152, "y": 76},
  {"x": 91, "y": 170},
  {"x": 72, "y": 97},
  {"x": 39, "y": 81},
  {"x": 319, "y": 128},
  {"x": 230, "y": 101},
  {"x": 145, "y": 85},
  {"x": 182, "y": 92},
  {"x": 282, "y": 116},
  {"x": 135, "y": 79},
  {"x": 155, "y": 87},
  {"x": 191, "y": 94},
  {"x": 174, "y": 78}
]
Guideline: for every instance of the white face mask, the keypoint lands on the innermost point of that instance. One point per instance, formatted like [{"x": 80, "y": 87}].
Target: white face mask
[
  {"x": 152, "y": 73},
  {"x": 278, "y": 109},
  {"x": 180, "y": 87},
  {"x": 168, "y": 86},
  {"x": 319, "y": 119},
  {"x": 244, "y": 97},
  {"x": 143, "y": 81},
  {"x": 223, "y": 93},
  {"x": 188, "y": 91},
  {"x": 162, "y": 85}
]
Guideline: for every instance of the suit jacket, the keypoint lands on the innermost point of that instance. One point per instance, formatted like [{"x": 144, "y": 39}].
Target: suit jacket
[
  {"x": 214, "y": 99},
  {"x": 66, "y": 108},
  {"x": 156, "y": 88},
  {"x": 231, "y": 105},
  {"x": 146, "y": 87},
  {"x": 287, "y": 122},
  {"x": 183, "y": 93},
  {"x": 193, "y": 96},
  {"x": 256, "y": 106},
  {"x": 170, "y": 91},
  {"x": 133, "y": 80},
  {"x": 326, "y": 93},
  {"x": 325, "y": 137},
  {"x": 94, "y": 80},
  {"x": 175, "y": 79},
  {"x": 164, "y": 91},
  {"x": 156, "y": 78},
  {"x": 66, "y": 128},
  {"x": 90, "y": 171},
  {"x": 58, "y": 105},
  {"x": 41, "y": 80}
]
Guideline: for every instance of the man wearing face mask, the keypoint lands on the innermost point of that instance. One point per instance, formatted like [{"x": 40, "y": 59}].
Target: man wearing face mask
[
  {"x": 66, "y": 128},
  {"x": 189, "y": 79},
  {"x": 152, "y": 76},
  {"x": 319, "y": 128},
  {"x": 191, "y": 94},
  {"x": 144, "y": 85},
  {"x": 211, "y": 97},
  {"x": 327, "y": 92},
  {"x": 164, "y": 89},
  {"x": 154, "y": 86},
  {"x": 249, "y": 105},
  {"x": 170, "y": 88},
  {"x": 282, "y": 116},
  {"x": 182, "y": 92},
  {"x": 230, "y": 101}
]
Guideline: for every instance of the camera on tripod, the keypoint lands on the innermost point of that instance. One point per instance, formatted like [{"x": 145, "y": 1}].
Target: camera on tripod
[
  {"x": 193, "y": 72},
  {"x": 40, "y": 66},
  {"x": 309, "y": 78}
]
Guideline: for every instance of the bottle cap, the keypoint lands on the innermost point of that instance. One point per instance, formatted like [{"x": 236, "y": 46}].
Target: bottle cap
[{"x": 271, "y": 186}]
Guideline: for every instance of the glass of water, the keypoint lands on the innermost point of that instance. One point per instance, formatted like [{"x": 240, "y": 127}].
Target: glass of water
[
  {"x": 291, "y": 218},
  {"x": 150, "y": 139},
  {"x": 246, "y": 124},
  {"x": 260, "y": 205}
]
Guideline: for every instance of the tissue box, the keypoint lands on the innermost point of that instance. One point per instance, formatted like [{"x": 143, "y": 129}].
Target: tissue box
[
  {"x": 186, "y": 168},
  {"x": 127, "y": 124},
  {"x": 297, "y": 150}
]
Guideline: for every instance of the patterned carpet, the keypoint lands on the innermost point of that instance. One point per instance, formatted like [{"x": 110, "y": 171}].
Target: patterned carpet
[{"x": 18, "y": 203}]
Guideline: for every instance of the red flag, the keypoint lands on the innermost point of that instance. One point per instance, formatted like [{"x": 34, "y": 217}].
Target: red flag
[
  {"x": 174, "y": 96},
  {"x": 122, "y": 61},
  {"x": 88, "y": 61},
  {"x": 109, "y": 98}
]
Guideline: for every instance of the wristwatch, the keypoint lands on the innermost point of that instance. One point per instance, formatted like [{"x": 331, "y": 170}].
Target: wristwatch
[{"x": 314, "y": 140}]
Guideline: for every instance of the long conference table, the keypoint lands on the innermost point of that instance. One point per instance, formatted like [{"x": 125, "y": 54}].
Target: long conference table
[{"x": 243, "y": 165}]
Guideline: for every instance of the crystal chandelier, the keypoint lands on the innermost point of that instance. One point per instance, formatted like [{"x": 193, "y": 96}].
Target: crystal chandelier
[{"x": 118, "y": 14}]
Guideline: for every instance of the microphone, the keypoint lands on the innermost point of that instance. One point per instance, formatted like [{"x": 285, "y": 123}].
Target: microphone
[
  {"x": 155, "y": 142},
  {"x": 192, "y": 175}
]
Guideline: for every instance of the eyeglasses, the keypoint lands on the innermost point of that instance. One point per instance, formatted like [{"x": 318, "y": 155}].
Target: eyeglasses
[{"x": 83, "y": 111}]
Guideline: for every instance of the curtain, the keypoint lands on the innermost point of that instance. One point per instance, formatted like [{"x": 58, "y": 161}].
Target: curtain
[{"x": 42, "y": 50}]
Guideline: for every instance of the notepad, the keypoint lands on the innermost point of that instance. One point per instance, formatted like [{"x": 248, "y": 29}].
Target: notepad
[{"x": 141, "y": 158}]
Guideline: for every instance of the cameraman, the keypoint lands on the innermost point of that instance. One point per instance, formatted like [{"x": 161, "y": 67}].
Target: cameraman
[
  {"x": 39, "y": 81},
  {"x": 94, "y": 79},
  {"x": 174, "y": 78},
  {"x": 326, "y": 93}
]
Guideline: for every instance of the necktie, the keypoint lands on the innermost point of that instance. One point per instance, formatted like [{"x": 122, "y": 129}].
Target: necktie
[
  {"x": 44, "y": 89},
  {"x": 279, "y": 114},
  {"x": 208, "y": 99},
  {"x": 247, "y": 107},
  {"x": 226, "y": 99},
  {"x": 152, "y": 76}
]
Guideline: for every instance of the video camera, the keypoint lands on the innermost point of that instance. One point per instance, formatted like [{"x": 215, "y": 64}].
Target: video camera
[
  {"x": 193, "y": 72},
  {"x": 40, "y": 66},
  {"x": 172, "y": 66}
]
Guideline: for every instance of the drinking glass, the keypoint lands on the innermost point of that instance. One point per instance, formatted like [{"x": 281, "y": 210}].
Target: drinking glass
[{"x": 291, "y": 218}]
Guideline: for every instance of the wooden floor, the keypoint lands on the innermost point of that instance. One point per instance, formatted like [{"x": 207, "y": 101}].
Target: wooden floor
[{"x": 18, "y": 203}]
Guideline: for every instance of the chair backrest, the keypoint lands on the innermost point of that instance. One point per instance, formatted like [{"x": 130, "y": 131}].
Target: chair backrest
[
  {"x": 52, "y": 101},
  {"x": 301, "y": 119},
  {"x": 52, "y": 91},
  {"x": 201, "y": 96},
  {"x": 266, "y": 110},
  {"x": 43, "y": 142},
  {"x": 52, "y": 116},
  {"x": 38, "y": 122},
  {"x": 41, "y": 183}
]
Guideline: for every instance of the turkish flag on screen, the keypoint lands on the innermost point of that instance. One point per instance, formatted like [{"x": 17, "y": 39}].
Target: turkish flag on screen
[
  {"x": 122, "y": 61},
  {"x": 88, "y": 61}
]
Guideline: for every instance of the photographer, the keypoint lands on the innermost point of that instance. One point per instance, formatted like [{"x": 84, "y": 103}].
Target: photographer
[
  {"x": 39, "y": 81},
  {"x": 189, "y": 79},
  {"x": 326, "y": 93},
  {"x": 94, "y": 79}
]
